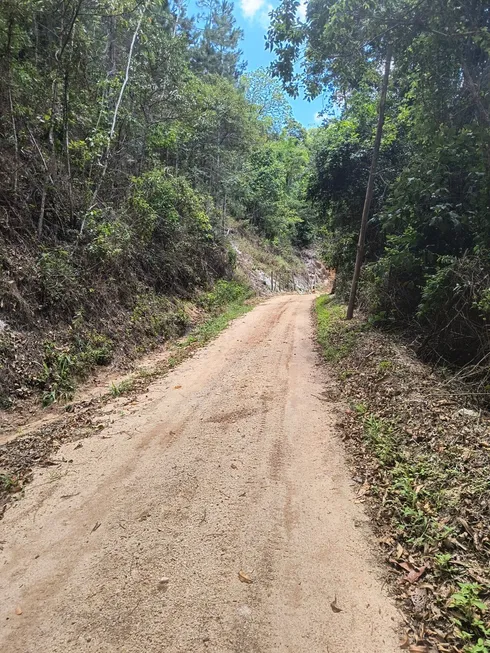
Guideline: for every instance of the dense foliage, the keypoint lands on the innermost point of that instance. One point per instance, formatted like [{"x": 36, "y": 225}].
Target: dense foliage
[
  {"x": 128, "y": 135},
  {"x": 429, "y": 231}
]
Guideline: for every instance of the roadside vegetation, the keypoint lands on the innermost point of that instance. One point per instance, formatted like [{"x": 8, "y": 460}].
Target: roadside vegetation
[{"x": 420, "y": 454}]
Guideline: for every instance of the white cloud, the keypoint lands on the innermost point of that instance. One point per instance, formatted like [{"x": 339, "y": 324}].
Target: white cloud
[
  {"x": 302, "y": 9},
  {"x": 251, "y": 7},
  {"x": 264, "y": 18}
]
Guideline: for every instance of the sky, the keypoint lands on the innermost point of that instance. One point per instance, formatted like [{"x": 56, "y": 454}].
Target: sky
[{"x": 252, "y": 17}]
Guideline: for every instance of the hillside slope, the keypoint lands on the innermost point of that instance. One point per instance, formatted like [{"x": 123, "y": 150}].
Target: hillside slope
[{"x": 60, "y": 322}]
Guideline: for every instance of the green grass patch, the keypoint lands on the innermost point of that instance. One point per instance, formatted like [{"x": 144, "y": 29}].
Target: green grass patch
[
  {"x": 119, "y": 389},
  {"x": 214, "y": 325},
  {"x": 336, "y": 336}
]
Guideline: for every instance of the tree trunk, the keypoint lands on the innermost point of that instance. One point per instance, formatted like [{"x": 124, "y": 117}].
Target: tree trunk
[{"x": 370, "y": 186}]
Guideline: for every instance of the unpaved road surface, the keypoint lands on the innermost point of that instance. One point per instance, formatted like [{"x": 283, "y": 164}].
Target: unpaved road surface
[{"x": 228, "y": 464}]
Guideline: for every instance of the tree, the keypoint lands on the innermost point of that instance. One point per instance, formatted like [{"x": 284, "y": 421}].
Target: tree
[
  {"x": 267, "y": 94},
  {"x": 217, "y": 51}
]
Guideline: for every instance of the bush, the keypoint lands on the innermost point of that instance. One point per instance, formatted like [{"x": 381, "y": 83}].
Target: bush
[
  {"x": 110, "y": 238},
  {"x": 455, "y": 309},
  {"x": 224, "y": 292},
  {"x": 60, "y": 283},
  {"x": 391, "y": 287},
  {"x": 161, "y": 203},
  {"x": 174, "y": 233},
  {"x": 157, "y": 316}
]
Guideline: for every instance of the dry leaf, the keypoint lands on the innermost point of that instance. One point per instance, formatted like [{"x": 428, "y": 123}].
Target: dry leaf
[
  {"x": 405, "y": 642},
  {"x": 334, "y": 605},
  {"x": 414, "y": 574},
  {"x": 242, "y": 576},
  {"x": 18, "y": 610},
  {"x": 418, "y": 648},
  {"x": 177, "y": 387}
]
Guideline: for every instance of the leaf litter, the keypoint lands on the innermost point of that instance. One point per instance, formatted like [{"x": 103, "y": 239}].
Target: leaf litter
[{"x": 420, "y": 456}]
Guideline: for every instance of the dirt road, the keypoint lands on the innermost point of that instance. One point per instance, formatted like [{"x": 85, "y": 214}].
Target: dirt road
[{"x": 228, "y": 464}]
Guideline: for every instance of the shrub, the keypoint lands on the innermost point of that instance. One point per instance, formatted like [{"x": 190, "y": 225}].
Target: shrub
[
  {"x": 110, "y": 238},
  {"x": 454, "y": 309},
  {"x": 60, "y": 282},
  {"x": 391, "y": 287},
  {"x": 224, "y": 292},
  {"x": 157, "y": 316}
]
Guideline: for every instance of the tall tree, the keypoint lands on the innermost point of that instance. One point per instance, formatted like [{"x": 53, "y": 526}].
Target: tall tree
[{"x": 217, "y": 52}]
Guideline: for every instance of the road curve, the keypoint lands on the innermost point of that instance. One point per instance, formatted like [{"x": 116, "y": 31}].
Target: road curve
[{"x": 229, "y": 464}]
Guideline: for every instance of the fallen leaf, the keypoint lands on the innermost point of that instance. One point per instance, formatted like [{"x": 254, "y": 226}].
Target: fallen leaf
[
  {"x": 18, "y": 610},
  {"x": 177, "y": 387},
  {"x": 414, "y": 574},
  {"x": 418, "y": 648},
  {"x": 334, "y": 605},
  {"x": 242, "y": 576}
]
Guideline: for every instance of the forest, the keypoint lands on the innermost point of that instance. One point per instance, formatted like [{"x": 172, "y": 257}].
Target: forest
[
  {"x": 131, "y": 134},
  {"x": 154, "y": 186}
]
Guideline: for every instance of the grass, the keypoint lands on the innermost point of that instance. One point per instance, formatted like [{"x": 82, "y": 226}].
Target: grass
[
  {"x": 214, "y": 325},
  {"x": 8, "y": 482},
  {"x": 118, "y": 389},
  {"x": 337, "y": 337}
]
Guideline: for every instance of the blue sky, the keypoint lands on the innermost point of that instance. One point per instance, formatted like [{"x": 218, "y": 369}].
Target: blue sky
[{"x": 252, "y": 17}]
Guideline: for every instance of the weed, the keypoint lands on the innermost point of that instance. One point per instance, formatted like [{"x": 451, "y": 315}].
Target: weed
[
  {"x": 223, "y": 293},
  {"x": 212, "y": 327},
  {"x": 469, "y": 612},
  {"x": 63, "y": 365},
  {"x": 383, "y": 366},
  {"x": 360, "y": 408},
  {"x": 379, "y": 434},
  {"x": 158, "y": 317},
  {"x": 91, "y": 348},
  {"x": 8, "y": 483},
  {"x": 5, "y": 402},
  {"x": 443, "y": 561},
  {"x": 346, "y": 374},
  {"x": 118, "y": 389},
  {"x": 57, "y": 374}
]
